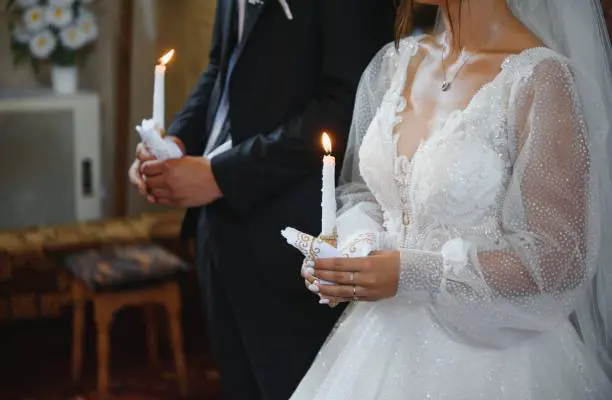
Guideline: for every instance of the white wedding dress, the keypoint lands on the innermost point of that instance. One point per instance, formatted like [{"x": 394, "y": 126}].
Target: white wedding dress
[{"x": 493, "y": 220}]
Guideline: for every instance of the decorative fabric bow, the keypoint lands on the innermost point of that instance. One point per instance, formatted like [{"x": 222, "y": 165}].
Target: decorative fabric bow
[
  {"x": 314, "y": 248},
  {"x": 283, "y": 3},
  {"x": 161, "y": 148}
]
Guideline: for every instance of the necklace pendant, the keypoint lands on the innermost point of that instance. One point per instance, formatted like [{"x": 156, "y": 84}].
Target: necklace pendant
[{"x": 445, "y": 86}]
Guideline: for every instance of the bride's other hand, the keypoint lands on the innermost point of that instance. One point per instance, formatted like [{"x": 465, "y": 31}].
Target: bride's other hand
[
  {"x": 307, "y": 272},
  {"x": 309, "y": 280},
  {"x": 369, "y": 278}
]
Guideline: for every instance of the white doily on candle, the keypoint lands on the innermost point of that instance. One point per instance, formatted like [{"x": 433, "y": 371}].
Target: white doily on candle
[
  {"x": 314, "y": 248},
  {"x": 161, "y": 148}
]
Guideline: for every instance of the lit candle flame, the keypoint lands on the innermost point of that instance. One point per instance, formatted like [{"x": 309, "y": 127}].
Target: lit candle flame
[
  {"x": 326, "y": 141},
  {"x": 165, "y": 59}
]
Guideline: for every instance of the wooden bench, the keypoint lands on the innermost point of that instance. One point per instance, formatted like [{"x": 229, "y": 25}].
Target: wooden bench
[{"x": 119, "y": 277}]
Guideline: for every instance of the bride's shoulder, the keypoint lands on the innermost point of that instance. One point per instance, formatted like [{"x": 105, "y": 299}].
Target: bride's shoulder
[
  {"x": 379, "y": 74},
  {"x": 545, "y": 74},
  {"x": 407, "y": 45},
  {"x": 388, "y": 57},
  {"x": 538, "y": 63}
]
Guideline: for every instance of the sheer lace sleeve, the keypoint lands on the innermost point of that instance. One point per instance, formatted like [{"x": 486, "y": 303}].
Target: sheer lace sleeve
[
  {"x": 528, "y": 279},
  {"x": 359, "y": 213}
]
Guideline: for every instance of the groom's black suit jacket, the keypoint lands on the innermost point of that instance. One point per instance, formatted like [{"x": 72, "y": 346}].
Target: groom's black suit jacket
[{"x": 293, "y": 80}]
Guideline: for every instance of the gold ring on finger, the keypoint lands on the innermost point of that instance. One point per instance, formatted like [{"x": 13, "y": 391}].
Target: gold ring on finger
[{"x": 355, "y": 293}]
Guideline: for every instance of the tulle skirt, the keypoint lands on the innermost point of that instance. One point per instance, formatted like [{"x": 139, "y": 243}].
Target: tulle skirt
[{"x": 390, "y": 351}]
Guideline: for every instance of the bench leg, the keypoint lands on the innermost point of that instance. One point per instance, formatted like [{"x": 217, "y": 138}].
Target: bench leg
[
  {"x": 104, "y": 318},
  {"x": 78, "y": 330},
  {"x": 152, "y": 338},
  {"x": 173, "y": 307}
]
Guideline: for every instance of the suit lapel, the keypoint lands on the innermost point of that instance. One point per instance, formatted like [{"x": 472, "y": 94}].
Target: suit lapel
[
  {"x": 228, "y": 39},
  {"x": 253, "y": 10},
  {"x": 229, "y": 33}
]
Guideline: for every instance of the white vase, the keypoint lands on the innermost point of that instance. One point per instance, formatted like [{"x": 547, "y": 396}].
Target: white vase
[{"x": 64, "y": 79}]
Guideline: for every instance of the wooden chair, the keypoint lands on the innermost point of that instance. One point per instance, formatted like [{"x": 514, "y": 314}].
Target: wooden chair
[{"x": 121, "y": 277}]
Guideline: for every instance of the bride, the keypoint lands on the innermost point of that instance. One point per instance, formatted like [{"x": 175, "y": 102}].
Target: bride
[{"x": 477, "y": 169}]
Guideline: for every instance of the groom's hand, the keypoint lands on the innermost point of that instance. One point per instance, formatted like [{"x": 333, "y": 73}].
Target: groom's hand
[
  {"x": 184, "y": 182},
  {"x": 141, "y": 156},
  {"x": 136, "y": 179}
]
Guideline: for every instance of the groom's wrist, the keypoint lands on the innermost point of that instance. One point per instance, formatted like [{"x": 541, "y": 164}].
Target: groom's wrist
[{"x": 227, "y": 173}]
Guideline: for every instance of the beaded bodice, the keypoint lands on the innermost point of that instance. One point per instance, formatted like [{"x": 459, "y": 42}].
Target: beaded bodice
[{"x": 456, "y": 181}]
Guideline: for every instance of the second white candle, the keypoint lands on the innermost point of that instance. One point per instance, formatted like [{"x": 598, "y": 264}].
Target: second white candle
[{"x": 328, "y": 195}]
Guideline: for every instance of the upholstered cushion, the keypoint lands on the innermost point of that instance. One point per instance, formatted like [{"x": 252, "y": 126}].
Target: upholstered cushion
[{"x": 125, "y": 267}]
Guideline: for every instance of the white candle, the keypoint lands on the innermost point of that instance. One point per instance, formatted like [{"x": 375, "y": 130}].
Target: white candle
[
  {"x": 159, "y": 91},
  {"x": 159, "y": 96},
  {"x": 328, "y": 204}
]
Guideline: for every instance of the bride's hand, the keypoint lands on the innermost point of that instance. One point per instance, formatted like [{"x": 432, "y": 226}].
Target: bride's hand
[{"x": 367, "y": 279}]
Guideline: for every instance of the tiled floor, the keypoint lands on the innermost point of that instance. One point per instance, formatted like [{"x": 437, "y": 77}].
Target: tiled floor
[{"x": 34, "y": 361}]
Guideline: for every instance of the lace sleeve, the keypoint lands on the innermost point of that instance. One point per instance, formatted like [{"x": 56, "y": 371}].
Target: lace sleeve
[
  {"x": 527, "y": 280},
  {"x": 359, "y": 213}
]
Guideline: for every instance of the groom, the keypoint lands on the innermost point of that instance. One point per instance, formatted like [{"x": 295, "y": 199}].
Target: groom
[{"x": 280, "y": 73}]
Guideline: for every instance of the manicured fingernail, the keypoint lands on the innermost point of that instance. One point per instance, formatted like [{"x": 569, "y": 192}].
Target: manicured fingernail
[
  {"x": 313, "y": 288},
  {"x": 324, "y": 301},
  {"x": 310, "y": 271},
  {"x": 309, "y": 263}
]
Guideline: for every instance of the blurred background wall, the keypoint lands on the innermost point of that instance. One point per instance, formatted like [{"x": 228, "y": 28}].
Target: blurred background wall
[{"x": 181, "y": 24}]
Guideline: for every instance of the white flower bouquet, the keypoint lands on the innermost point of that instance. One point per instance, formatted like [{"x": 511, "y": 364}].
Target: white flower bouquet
[{"x": 61, "y": 32}]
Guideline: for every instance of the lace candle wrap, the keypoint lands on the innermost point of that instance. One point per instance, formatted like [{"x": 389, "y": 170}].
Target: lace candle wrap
[
  {"x": 316, "y": 248},
  {"x": 161, "y": 148}
]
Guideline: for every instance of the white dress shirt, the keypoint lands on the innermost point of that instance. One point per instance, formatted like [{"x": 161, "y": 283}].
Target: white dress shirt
[{"x": 222, "y": 112}]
